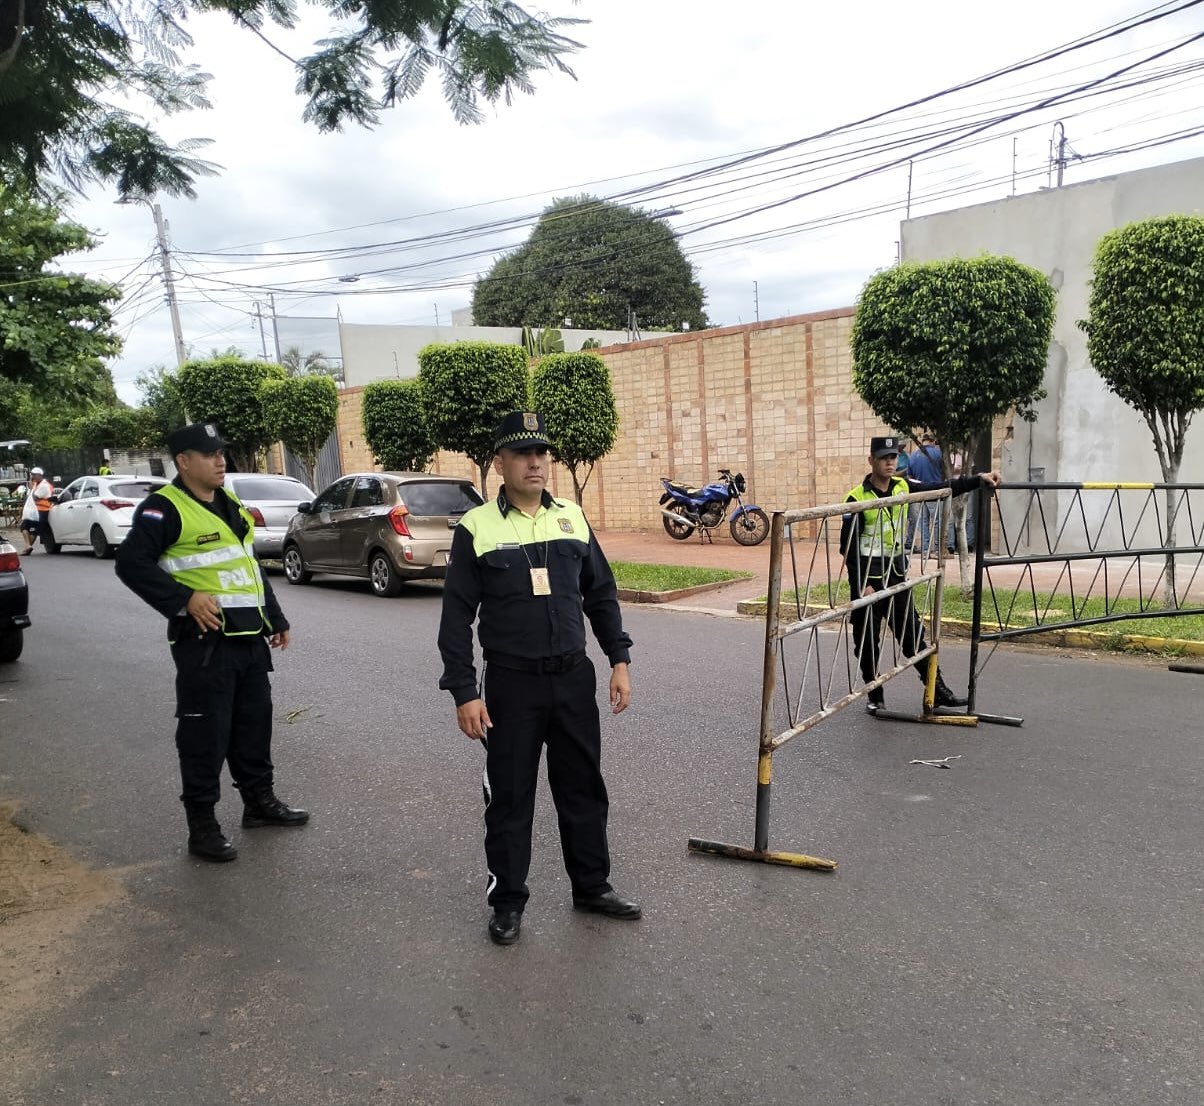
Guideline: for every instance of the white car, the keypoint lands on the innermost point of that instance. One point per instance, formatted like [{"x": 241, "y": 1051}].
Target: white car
[{"x": 97, "y": 511}]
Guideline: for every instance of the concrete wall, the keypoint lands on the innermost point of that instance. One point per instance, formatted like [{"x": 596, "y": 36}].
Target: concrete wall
[
  {"x": 1083, "y": 432},
  {"x": 772, "y": 399},
  {"x": 378, "y": 352}
]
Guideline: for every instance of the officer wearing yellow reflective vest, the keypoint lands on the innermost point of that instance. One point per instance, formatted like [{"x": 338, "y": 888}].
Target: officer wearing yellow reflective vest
[
  {"x": 532, "y": 569},
  {"x": 189, "y": 554},
  {"x": 873, "y": 545}
]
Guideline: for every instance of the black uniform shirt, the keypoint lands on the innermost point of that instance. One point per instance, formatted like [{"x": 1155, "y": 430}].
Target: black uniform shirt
[
  {"x": 496, "y": 583},
  {"x": 149, "y": 538}
]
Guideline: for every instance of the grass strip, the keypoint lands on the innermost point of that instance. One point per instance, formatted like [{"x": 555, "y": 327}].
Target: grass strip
[
  {"x": 642, "y": 577},
  {"x": 1048, "y": 608}
]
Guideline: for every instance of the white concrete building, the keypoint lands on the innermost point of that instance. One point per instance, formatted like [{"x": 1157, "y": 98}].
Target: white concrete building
[{"x": 1083, "y": 432}]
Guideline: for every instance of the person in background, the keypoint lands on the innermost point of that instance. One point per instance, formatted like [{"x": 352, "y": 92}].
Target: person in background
[
  {"x": 41, "y": 491},
  {"x": 925, "y": 466}
]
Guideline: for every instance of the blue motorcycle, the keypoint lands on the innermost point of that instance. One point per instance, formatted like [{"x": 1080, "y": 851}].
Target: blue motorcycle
[{"x": 685, "y": 509}]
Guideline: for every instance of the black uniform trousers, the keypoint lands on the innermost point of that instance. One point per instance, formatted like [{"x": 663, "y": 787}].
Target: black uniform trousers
[
  {"x": 867, "y": 628},
  {"x": 530, "y": 710},
  {"x": 223, "y": 713}
]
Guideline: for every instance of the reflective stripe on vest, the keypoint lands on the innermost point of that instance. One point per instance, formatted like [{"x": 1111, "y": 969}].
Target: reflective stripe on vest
[
  {"x": 224, "y": 567},
  {"x": 883, "y": 530}
]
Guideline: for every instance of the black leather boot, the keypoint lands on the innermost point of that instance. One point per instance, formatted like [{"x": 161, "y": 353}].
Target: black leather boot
[
  {"x": 205, "y": 837},
  {"x": 944, "y": 694},
  {"x": 262, "y": 808}
]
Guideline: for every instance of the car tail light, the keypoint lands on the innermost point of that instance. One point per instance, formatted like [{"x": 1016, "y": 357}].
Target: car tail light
[
  {"x": 115, "y": 504},
  {"x": 256, "y": 515},
  {"x": 10, "y": 560},
  {"x": 397, "y": 519}
]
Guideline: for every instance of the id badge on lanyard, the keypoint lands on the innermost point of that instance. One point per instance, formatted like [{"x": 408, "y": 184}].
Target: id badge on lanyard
[{"x": 540, "y": 583}]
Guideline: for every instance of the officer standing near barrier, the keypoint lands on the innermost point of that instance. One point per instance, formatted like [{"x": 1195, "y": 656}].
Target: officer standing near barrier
[
  {"x": 873, "y": 545},
  {"x": 532, "y": 569},
  {"x": 190, "y": 555}
]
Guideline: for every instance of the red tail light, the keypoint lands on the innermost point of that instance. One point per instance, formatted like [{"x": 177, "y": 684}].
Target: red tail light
[
  {"x": 257, "y": 515},
  {"x": 115, "y": 504},
  {"x": 397, "y": 519},
  {"x": 10, "y": 562}
]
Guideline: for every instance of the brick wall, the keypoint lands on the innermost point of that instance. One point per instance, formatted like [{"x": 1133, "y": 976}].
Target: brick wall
[{"x": 773, "y": 400}]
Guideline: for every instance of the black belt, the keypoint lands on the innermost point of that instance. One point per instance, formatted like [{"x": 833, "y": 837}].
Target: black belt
[{"x": 566, "y": 662}]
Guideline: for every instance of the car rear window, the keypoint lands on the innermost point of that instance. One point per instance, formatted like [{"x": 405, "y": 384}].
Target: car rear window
[
  {"x": 260, "y": 489},
  {"x": 439, "y": 498},
  {"x": 135, "y": 489}
]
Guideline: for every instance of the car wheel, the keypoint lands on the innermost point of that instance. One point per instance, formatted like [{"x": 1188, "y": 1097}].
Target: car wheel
[
  {"x": 295, "y": 571},
  {"x": 385, "y": 581},
  {"x": 101, "y": 548},
  {"x": 11, "y": 644},
  {"x": 49, "y": 544}
]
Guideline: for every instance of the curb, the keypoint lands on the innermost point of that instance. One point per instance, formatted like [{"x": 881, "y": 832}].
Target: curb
[
  {"x": 631, "y": 595},
  {"x": 1073, "y": 639}
]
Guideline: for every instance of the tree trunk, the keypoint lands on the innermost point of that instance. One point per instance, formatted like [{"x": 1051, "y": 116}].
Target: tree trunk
[{"x": 483, "y": 469}]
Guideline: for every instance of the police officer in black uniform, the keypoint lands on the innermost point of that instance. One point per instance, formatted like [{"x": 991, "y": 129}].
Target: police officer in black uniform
[
  {"x": 189, "y": 554},
  {"x": 875, "y": 550},
  {"x": 532, "y": 569}
]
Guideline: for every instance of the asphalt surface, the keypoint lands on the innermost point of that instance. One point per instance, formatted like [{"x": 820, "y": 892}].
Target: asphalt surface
[{"x": 1022, "y": 929}]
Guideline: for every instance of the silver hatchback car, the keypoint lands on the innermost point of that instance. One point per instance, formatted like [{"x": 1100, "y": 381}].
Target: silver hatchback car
[{"x": 386, "y": 527}]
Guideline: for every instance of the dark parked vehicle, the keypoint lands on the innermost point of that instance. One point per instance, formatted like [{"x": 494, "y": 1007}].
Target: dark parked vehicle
[
  {"x": 387, "y": 527},
  {"x": 14, "y": 603}
]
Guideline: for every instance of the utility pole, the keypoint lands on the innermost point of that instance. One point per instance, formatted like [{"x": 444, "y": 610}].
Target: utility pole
[
  {"x": 263, "y": 342},
  {"x": 910, "y": 169},
  {"x": 275, "y": 328},
  {"x": 169, "y": 283},
  {"x": 756, "y": 302}
]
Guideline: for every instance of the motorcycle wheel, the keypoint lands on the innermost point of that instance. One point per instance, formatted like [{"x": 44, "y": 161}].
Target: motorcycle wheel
[
  {"x": 679, "y": 531},
  {"x": 750, "y": 528}
]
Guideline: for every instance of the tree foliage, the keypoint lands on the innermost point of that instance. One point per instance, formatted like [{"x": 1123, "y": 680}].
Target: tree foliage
[
  {"x": 950, "y": 345},
  {"x": 228, "y": 391},
  {"x": 467, "y": 387},
  {"x": 161, "y": 398},
  {"x": 596, "y": 263},
  {"x": 302, "y": 412},
  {"x": 1145, "y": 325},
  {"x": 116, "y": 426},
  {"x": 68, "y": 72},
  {"x": 395, "y": 425},
  {"x": 1145, "y": 335},
  {"x": 572, "y": 391},
  {"x": 55, "y": 327}
]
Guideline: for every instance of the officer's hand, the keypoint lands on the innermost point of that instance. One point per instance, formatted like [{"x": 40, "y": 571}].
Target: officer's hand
[
  {"x": 204, "y": 611},
  {"x": 620, "y": 688},
  {"x": 991, "y": 478},
  {"x": 279, "y": 640},
  {"x": 473, "y": 719},
  {"x": 869, "y": 590}
]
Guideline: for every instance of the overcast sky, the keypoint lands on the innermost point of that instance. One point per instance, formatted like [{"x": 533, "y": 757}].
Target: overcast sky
[{"x": 662, "y": 89}]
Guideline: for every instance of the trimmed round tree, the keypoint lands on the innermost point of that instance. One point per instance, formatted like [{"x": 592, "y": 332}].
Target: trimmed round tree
[
  {"x": 572, "y": 391},
  {"x": 467, "y": 387},
  {"x": 1145, "y": 336},
  {"x": 395, "y": 425},
  {"x": 226, "y": 390},
  {"x": 951, "y": 345},
  {"x": 302, "y": 412}
]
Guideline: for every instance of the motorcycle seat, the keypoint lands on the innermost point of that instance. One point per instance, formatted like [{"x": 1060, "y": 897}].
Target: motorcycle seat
[{"x": 685, "y": 489}]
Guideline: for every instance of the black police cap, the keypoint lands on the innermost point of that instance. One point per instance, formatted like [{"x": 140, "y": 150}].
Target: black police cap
[
  {"x": 520, "y": 430},
  {"x": 884, "y": 447},
  {"x": 201, "y": 436}
]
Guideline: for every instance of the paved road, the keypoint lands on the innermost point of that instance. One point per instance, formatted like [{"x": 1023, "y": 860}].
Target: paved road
[{"x": 1022, "y": 929}]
